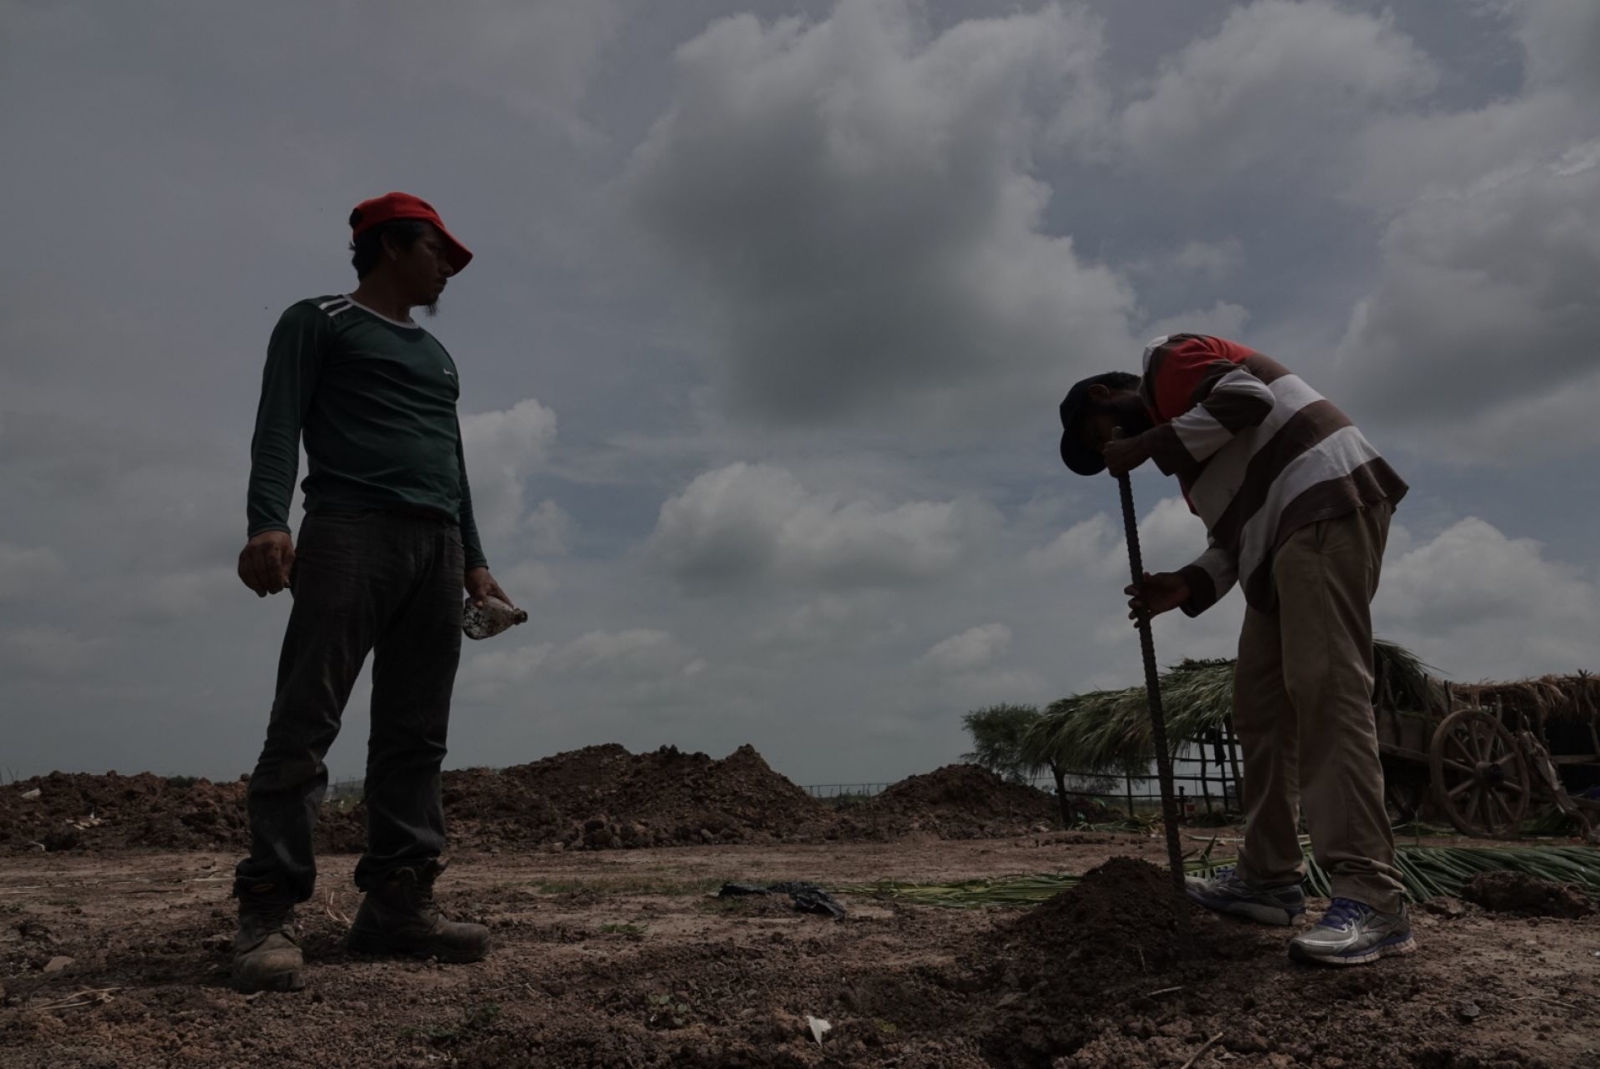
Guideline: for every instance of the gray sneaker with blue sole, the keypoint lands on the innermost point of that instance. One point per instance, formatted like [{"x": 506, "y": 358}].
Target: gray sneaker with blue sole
[
  {"x": 1353, "y": 933},
  {"x": 1228, "y": 894}
]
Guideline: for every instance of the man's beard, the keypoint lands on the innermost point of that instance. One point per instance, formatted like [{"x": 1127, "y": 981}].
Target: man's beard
[
  {"x": 432, "y": 309},
  {"x": 1131, "y": 415}
]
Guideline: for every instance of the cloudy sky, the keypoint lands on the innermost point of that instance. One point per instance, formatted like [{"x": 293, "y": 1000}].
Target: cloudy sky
[{"x": 772, "y": 309}]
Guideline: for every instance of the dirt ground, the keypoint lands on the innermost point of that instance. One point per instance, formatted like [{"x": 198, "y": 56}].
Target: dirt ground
[{"x": 624, "y": 958}]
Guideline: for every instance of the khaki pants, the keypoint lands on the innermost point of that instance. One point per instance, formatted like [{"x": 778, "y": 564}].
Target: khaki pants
[{"x": 1302, "y": 708}]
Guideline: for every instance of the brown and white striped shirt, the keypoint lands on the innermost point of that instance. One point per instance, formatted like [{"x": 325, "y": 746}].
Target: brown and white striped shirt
[{"x": 1259, "y": 454}]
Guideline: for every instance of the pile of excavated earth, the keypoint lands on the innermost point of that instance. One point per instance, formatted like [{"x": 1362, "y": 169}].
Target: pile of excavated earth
[
  {"x": 958, "y": 802},
  {"x": 596, "y": 798}
]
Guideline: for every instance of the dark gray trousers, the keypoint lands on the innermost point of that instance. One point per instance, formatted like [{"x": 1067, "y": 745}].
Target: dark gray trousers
[{"x": 383, "y": 582}]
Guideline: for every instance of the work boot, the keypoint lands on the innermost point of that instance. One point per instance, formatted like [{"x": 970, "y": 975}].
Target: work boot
[
  {"x": 1353, "y": 933},
  {"x": 266, "y": 955},
  {"x": 399, "y": 917},
  {"x": 1227, "y": 893}
]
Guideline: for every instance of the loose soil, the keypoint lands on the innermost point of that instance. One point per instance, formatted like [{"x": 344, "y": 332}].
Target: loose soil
[
  {"x": 1516, "y": 892},
  {"x": 620, "y": 958}
]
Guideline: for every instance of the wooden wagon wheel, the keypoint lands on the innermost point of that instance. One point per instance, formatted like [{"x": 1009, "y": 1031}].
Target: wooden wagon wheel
[{"x": 1480, "y": 777}]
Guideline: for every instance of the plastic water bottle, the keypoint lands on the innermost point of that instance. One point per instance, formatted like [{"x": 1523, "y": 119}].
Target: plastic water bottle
[{"x": 495, "y": 617}]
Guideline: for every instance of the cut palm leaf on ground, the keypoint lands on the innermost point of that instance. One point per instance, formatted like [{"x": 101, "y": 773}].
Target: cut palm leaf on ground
[{"x": 1427, "y": 871}]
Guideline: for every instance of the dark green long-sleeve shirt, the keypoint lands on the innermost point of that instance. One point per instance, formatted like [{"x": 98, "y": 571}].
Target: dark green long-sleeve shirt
[{"x": 376, "y": 402}]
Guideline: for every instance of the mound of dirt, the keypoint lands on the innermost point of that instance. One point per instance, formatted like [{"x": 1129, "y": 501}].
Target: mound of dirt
[
  {"x": 488, "y": 809},
  {"x": 1516, "y": 892},
  {"x": 603, "y": 797},
  {"x": 953, "y": 802},
  {"x": 79, "y": 811},
  {"x": 574, "y": 783},
  {"x": 738, "y": 798},
  {"x": 1125, "y": 910},
  {"x": 599, "y": 797},
  {"x": 1121, "y": 933},
  {"x": 73, "y": 810}
]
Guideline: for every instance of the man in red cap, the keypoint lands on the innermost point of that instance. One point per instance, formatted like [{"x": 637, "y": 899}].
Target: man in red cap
[{"x": 387, "y": 544}]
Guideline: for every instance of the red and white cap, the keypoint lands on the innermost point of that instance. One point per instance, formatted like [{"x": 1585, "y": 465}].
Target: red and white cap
[{"x": 369, "y": 213}]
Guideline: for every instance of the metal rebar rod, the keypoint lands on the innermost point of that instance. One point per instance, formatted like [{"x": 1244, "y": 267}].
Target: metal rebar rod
[{"x": 1158, "y": 719}]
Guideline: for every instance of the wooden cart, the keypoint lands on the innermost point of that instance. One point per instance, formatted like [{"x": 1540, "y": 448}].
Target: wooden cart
[{"x": 1482, "y": 768}]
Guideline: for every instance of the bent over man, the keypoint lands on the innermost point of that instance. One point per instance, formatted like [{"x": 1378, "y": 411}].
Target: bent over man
[
  {"x": 1296, "y": 504},
  {"x": 387, "y": 545}
]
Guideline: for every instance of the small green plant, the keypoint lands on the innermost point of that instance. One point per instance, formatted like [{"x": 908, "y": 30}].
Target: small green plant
[
  {"x": 667, "y": 1011},
  {"x": 632, "y": 931},
  {"x": 182, "y": 783}
]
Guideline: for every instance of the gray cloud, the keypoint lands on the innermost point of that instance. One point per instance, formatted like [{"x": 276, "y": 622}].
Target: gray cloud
[
  {"x": 854, "y": 199},
  {"x": 885, "y": 237},
  {"x": 1560, "y": 38},
  {"x": 1490, "y": 246},
  {"x": 28, "y": 571},
  {"x": 1492, "y": 277},
  {"x": 44, "y": 651}
]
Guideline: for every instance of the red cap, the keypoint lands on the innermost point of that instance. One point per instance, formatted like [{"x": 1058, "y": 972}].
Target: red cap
[{"x": 369, "y": 213}]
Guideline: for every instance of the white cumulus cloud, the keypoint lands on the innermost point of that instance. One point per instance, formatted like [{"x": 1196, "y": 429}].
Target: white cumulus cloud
[
  {"x": 1478, "y": 604},
  {"x": 1274, "y": 72},
  {"x": 747, "y": 523},
  {"x": 503, "y": 449},
  {"x": 975, "y": 647}
]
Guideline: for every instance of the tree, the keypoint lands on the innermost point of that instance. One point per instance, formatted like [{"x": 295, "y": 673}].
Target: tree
[{"x": 997, "y": 733}]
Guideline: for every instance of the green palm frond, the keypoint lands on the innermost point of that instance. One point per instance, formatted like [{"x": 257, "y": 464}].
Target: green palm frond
[
  {"x": 1427, "y": 871},
  {"x": 1109, "y": 730}
]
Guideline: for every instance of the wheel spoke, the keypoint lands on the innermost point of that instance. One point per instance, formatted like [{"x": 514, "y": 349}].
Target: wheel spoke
[
  {"x": 1497, "y": 745},
  {"x": 1462, "y": 787},
  {"x": 1489, "y": 804},
  {"x": 1465, "y": 770},
  {"x": 1505, "y": 807},
  {"x": 1477, "y": 740}
]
